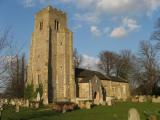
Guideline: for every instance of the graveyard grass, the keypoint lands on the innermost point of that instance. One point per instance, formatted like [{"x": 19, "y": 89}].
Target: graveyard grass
[{"x": 116, "y": 112}]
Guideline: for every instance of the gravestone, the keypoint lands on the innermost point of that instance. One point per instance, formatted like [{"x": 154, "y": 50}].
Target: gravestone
[
  {"x": 156, "y": 100},
  {"x": 103, "y": 103},
  {"x": 82, "y": 105},
  {"x": 27, "y": 103},
  {"x": 17, "y": 106},
  {"x": 109, "y": 101},
  {"x": 88, "y": 105},
  {"x": 142, "y": 99},
  {"x": 38, "y": 98},
  {"x": 36, "y": 105},
  {"x": 64, "y": 109},
  {"x": 12, "y": 102},
  {"x": 5, "y": 101},
  {"x": 133, "y": 114},
  {"x": 135, "y": 99}
]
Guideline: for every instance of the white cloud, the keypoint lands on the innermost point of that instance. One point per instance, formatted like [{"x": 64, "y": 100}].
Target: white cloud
[
  {"x": 28, "y": 3},
  {"x": 131, "y": 7},
  {"x": 88, "y": 18},
  {"x": 78, "y": 26},
  {"x": 127, "y": 26},
  {"x": 85, "y": 3},
  {"x": 108, "y": 6},
  {"x": 118, "y": 32},
  {"x": 66, "y": 1},
  {"x": 130, "y": 23},
  {"x": 32, "y": 3},
  {"x": 127, "y": 6},
  {"x": 95, "y": 31},
  {"x": 89, "y": 62}
]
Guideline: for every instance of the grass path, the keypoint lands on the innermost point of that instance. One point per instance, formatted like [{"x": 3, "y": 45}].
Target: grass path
[{"x": 116, "y": 112}]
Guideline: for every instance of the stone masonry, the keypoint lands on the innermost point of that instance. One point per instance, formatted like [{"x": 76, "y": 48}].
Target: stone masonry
[{"x": 51, "y": 56}]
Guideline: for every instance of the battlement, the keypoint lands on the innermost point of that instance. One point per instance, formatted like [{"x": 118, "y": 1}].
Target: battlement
[{"x": 50, "y": 8}]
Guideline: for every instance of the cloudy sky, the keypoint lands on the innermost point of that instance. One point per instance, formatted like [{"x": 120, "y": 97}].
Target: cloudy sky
[{"x": 97, "y": 24}]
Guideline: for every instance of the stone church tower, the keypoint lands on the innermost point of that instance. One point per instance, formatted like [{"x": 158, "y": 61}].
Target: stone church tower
[{"x": 51, "y": 56}]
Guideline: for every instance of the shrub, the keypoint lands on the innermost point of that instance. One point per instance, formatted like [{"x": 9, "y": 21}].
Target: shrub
[
  {"x": 40, "y": 90},
  {"x": 29, "y": 92}
]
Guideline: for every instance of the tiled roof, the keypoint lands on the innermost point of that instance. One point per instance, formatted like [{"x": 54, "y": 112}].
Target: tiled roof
[{"x": 87, "y": 75}]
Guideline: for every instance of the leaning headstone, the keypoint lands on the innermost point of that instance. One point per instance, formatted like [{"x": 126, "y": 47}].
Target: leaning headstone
[{"x": 133, "y": 114}]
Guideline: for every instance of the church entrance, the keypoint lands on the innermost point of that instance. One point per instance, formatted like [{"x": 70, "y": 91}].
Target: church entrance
[{"x": 96, "y": 97}]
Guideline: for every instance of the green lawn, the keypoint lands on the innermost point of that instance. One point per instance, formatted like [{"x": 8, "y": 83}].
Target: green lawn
[{"x": 116, "y": 112}]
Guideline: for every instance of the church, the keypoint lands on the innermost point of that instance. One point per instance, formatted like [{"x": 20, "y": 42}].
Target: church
[{"x": 51, "y": 64}]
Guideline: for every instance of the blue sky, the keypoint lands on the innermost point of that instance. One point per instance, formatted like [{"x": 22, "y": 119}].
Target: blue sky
[{"x": 97, "y": 24}]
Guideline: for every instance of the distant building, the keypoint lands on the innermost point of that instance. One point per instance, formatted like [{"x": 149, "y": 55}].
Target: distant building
[{"x": 93, "y": 85}]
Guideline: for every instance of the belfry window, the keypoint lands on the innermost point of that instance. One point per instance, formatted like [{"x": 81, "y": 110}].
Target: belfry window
[
  {"x": 41, "y": 25},
  {"x": 38, "y": 79},
  {"x": 56, "y": 25}
]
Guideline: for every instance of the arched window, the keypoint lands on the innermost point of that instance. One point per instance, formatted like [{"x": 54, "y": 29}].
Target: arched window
[
  {"x": 41, "y": 25},
  {"x": 56, "y": 25}
]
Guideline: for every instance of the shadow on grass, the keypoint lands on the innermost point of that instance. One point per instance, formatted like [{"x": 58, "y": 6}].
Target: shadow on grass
[{"x": 29, "y": 114}]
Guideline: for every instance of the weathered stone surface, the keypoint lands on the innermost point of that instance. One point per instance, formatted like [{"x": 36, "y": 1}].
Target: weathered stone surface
[
  {"x": 38, "y": 98},
  {"x": 156, "y": 100},
  {"x": 82, "y": 105},
  {"x": 119, "y": 90},
  {"x": 27, "y": 103},
  {"x": 142, "y": 99},
  {"x": 51, "y": 56},
  {"x": 12, "y": 102},
  {"x": 17, "y": 107},
  {"x": 103, "y": 103},
  {"x": 37, "y": 105},
  {"x": 88, "y": 105},
  {"x": 133, "y": 114},
  {"x": 109, "y": 101}
]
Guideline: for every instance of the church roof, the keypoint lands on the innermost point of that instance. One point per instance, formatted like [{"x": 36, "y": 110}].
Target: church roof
[
  {"x": 115, "y": 79},
  {"x": 87, "y": 75}
]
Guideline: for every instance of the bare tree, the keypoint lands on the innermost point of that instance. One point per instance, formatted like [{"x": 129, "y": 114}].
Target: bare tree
[
  {"x": 124, "y": 64},
  {"x": 77, "y": 58},
  {"x": 108, "y": 61},
  {"x": 17, "y": 74},
  {"x": 149, "y": 66},
  {"x": 156, "y": 34},
  {"x": 5, "y": 42},
  {"x": 114, "y": 64}
]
